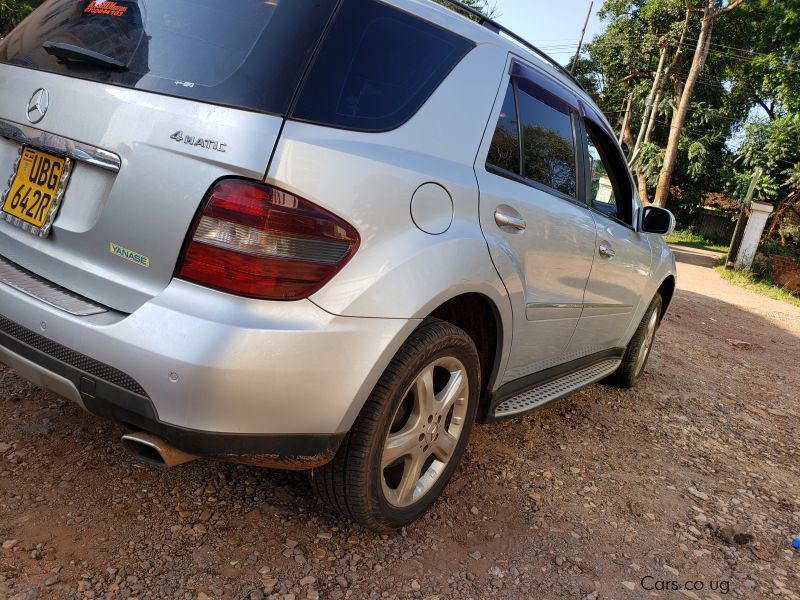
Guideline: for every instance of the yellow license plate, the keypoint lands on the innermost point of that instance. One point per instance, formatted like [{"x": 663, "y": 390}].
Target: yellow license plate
[{"x": 36, "y": 189}]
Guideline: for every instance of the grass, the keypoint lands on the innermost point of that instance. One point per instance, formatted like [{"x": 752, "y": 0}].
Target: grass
[
  {"x": 687, "y": 238},
  {"x": 755, "y": 283}
]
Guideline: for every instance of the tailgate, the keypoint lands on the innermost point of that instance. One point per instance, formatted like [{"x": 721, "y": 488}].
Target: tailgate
[
  {"x": 156, "y": 101},
  {"x": 107, "y": 220}
]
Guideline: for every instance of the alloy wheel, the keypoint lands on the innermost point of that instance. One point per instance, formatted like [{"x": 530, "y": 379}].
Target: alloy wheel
[
  {"x": 647, "y": 342},
  {"x": 425, "y": 431}
]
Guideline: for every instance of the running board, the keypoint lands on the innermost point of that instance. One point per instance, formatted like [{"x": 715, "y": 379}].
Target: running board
[{"x": 544, "y": 392}]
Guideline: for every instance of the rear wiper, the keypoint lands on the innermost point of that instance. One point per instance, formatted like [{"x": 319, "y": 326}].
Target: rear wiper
[{"x": 69, "y": 52}]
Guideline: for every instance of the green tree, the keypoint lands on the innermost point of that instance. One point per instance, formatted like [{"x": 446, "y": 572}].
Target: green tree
[
  {"x": 763, "y": 42},
  {"x": 13, "y": 11},
  {"x": 711, "y": 12},
  {"x": 774, "y": 146},
  {"x": 486, "y": 7},
  {"x": 751, "y": 65},
  {"x": 629, "y": 66}
]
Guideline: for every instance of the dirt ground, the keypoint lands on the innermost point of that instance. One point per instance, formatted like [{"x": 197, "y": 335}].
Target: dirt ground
[{"x": 691, "y": 481}]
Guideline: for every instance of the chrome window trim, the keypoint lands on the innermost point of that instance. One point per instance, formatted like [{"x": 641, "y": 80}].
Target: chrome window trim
[{"x": 49, "y": 142}]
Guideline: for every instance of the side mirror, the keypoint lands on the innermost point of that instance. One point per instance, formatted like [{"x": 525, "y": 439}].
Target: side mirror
[{"x": 653, "y": 219}]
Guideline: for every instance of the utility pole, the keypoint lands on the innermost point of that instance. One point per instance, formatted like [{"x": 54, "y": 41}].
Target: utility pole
[
  {"x": 738, "y": 233},
  {"x": 580, "y": 42}
]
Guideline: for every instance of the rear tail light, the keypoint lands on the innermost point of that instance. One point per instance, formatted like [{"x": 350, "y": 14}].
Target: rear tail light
[{"x": 254, "y": 240}]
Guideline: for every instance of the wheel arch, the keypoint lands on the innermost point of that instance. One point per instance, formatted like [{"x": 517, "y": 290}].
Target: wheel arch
[
  {"x": 481, "y": 310},
  {"x": 480, "y": 318},
  {"x": 666, "y": 290}
]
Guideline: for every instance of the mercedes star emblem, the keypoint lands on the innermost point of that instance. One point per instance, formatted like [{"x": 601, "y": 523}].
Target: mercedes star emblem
[{"x": 38, "y": 105}]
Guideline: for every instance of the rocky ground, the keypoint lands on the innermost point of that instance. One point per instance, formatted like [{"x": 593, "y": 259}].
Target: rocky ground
[{"x": 691, "y": 481}]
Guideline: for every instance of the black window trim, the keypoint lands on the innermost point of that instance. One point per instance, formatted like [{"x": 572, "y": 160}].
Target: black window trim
[
  {"x": 519, "y": 70},
  {"x": 521, "y": 161},
  {"x": 547, "y": 85},
  {"x": 587, "y": 178}
]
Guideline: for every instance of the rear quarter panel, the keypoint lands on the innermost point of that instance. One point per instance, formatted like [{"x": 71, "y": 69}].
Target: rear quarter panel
[{"x": 369, "y": 179}]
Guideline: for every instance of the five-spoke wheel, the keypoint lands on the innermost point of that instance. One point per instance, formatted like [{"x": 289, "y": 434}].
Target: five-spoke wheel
[
  {"x": 425, "y": 431},
  {"x": 410, "y": 435},
  {"x": 638, "y": 351}
]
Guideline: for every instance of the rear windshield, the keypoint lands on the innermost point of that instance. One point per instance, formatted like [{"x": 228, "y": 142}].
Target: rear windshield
[{"x": 243, "y": 53}]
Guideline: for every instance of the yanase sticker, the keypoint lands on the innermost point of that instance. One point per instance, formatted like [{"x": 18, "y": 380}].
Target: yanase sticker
[{"x": 134, "y": 257}]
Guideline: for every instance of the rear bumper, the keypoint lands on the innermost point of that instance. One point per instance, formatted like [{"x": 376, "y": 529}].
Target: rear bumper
[
  {"x": 35, "y": 360},
  {"x": 269, "y": 383}
]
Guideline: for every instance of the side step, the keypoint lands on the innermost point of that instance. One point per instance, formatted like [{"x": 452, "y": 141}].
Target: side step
[{"x": 554, "y": 389}]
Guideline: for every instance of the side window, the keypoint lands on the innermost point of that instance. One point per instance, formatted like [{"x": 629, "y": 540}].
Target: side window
[
  {"x": 602, "y": 193},
  {"x": 376, "y": 67},
  {"x": 610, "y": 191},
  {"x": 504, "y": 151},
  {"x": 548, "y": 146},
  {"x": 546, "y": 152}
]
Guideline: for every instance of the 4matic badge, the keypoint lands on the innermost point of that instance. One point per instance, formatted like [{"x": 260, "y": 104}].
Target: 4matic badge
[{"x": 200, "y": 142}]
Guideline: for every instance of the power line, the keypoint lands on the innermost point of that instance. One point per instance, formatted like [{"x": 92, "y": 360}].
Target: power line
[
  {"x": 685, "y": 128},
  {"x": 734, "y": 48},
  {"x": 749, "y": 54},
  {"x": 700, "y": 133}
]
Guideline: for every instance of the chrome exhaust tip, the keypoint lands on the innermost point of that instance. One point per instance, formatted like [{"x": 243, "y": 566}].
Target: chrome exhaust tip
[{"x": 153, "y": 450}]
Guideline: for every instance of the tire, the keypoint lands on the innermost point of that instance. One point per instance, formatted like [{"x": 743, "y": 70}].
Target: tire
[
  {"x": 375, "y": 484},
  {"x": 638, "y": 351}
]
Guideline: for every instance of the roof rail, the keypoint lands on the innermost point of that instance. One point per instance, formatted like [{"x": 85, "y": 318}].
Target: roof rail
[{"x": 498, "y": 29}]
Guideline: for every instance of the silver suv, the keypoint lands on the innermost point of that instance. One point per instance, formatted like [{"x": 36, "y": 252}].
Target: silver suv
[{"x": 325, "y": 235}]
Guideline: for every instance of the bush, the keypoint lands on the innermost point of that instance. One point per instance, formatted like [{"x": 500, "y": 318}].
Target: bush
[
  {"x": 13, "y": 11},
  {"x": 687, "y": 237},
  {"x": 790, "y": 247}
]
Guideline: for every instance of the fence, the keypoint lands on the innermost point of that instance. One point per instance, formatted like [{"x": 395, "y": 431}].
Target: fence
[{"x": 714, "y": 224}]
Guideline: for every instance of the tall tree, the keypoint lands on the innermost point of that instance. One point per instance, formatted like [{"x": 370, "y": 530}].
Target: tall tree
[
  {"x": 13, "y": 11},
  {"x": 711, "y": 12},
  {"x": 633, "y": 60},
  {"x": 763, "y": 38},
  {"x": 752, "y": 67}
]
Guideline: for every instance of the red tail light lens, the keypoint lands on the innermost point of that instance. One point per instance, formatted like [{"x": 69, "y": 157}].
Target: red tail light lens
[{"x": 257, "y": 241}]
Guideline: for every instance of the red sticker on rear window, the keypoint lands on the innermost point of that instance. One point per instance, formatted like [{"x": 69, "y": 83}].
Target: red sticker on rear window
[{"x": 105, "y": 7}]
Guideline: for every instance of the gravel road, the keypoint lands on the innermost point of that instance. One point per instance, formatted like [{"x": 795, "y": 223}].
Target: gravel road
[{"x": 691, "y": 481}]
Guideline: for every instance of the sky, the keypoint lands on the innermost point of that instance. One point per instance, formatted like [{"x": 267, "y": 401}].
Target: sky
[{"x": 552, "y": 25}]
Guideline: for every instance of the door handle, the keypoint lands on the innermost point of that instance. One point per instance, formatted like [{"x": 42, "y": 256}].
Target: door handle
[
  {"x": 607, "y": 251},
  {"x": 504, "y": 220}
]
